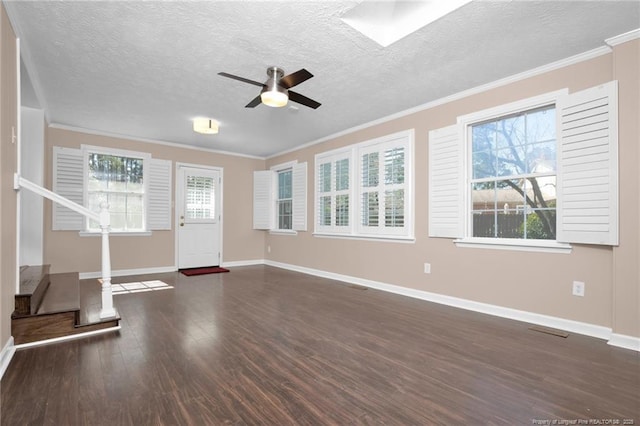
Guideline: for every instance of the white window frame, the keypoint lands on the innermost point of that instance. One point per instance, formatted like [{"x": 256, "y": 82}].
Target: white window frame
[
  {"x": 587, "y": 176},
  {"x": 146, "y": 159},
  {"x": 265, "y": 201},
  {"x": 404, "y": 139},
  {"x": 466, "y": 123},
  {"x": 276, "y": 215},
  {"x": 69, "y": 181},
  {"x": 332, "y": 157}
]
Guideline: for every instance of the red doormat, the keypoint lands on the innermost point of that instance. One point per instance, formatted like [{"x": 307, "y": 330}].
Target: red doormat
[{"x": 203, "y": 271}]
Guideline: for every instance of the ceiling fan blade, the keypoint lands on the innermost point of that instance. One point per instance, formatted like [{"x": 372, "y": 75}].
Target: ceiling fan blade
[
  {"x": 297, "y": 97},
  {"x": 254, "y": 103},
  {"x": 295, "y": 78},
  {"x": 244, "y": 80}
]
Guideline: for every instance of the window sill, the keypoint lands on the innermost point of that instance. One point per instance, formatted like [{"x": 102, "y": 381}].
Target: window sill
[
  {"x": 516, "y": 245},
  {"x": 116, "y": 234},
  {"x": 283, "y": 232},
  {"x": 392, "y": 239}
]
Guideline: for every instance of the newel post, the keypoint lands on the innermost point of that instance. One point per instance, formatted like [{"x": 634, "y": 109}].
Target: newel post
[{"x": 107, "y": 296}]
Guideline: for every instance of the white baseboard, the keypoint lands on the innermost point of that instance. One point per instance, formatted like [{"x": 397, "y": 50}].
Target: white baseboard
[
  {"x": 123, "y": 272},
  {"x": 592, "y": 330},
  {"x": 6, "y": 355},
  {"x": 623, "y": 341},
  {"x": 164, "y": 269},
  {"x": 67, "y": 338},
  {"x": 235, "y": 263}
]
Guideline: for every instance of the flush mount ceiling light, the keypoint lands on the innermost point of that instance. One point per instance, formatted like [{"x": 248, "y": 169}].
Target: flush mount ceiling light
[
  {"x": 205, "y": 126},
  {"x": 273, "y": 94},
  {"x": 386, "y": 22}
]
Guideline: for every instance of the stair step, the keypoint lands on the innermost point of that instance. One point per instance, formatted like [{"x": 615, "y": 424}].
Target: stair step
[
  {"x": 34, "y": 281},
  {"x": 68, "y": 308},
  {"x": 63, "y": 294}
]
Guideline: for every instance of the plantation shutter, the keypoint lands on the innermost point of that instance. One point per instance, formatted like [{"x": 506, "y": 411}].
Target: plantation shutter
[
  {"x": 446, "y": 186},
  {"x": 68, "y": 181},
  {"x": 159, "y": 195},
  {"x": 299, "y": 187},
  {"x": 588, "y": 166},
  {"x": 262, "y": 199}
]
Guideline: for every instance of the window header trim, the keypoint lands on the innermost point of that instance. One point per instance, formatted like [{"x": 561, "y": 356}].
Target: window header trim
[{"x": 511, "y": 108}]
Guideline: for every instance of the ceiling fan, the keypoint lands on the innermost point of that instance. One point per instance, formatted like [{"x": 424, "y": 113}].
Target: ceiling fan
[{"x": 275, "y": 91}]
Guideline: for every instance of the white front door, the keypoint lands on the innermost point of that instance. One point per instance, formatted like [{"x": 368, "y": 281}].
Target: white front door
[{"x": 199, "y": 214}]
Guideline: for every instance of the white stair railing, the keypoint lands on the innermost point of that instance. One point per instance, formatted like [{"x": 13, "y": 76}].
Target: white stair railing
[{"x": 103, "y": 218}]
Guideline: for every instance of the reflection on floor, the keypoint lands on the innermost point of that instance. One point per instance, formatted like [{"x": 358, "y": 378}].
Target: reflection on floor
[
  {"x": 139, "y": 286},
  {"x": 266, "y": 346}
]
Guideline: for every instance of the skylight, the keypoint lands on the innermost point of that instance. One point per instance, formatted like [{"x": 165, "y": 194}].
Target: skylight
[{"x": 386, "y": 22}]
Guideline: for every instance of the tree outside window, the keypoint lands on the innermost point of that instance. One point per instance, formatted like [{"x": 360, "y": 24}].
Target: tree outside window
[
  {"x": 118, "y": 181},
  {"x": 513, "y": 184}
]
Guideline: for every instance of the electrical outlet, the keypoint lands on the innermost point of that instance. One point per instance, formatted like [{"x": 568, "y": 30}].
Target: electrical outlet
[
  {"x": 268, "y": 249},
  {"x": 427, "y": 268},
  {"x": 578, "y": 288}
]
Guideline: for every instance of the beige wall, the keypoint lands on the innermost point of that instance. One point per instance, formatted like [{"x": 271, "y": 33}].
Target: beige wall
[
  {"x": 8, "y": 161},
  {"x": 626, "y": 257},
  {"x": 533, "y": 282},
  {"x": 66, "y": 251}
]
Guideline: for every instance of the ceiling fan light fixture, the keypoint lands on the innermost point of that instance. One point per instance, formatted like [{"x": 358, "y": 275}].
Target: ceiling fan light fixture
[
  {"x": 274, "y": 98},
  {"x": 206, "y": 126},
  {"x": 273, "y": 94}
]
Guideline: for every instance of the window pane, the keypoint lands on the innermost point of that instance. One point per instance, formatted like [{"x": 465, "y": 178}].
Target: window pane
[
  {"x": 494, "y": 206},
  {"x": 540, "y": 220},
  {"x": 484, "y": 164},
  {"x": 541, "y": 157},
  {"x": 134, "y": 213},
  {"x": 325, "y": 211},
  {"x": 118, "y": 181},
  {"x": 370, "y": 168},
  {"x": 109, "y": 172},
  {"x": 394, "y": 208},
  {"x": 200, "y": 197},
  {"x": 540, "y": 225},
  {"x": 324, "y": 177},
  {"x": 510, "y": 161},
  {"x": 541, "y": 125},
  {"x": 484, "y": 224},
  {"x": 370, "y": 209},
  {"x": 515, "y": 204},
  {"x": 285, "y": 214},
  {"x": 510, "y": 132},
  {"x": 394, "y": 166},
  {"x": 342, "y": 210},
  {"x": 284, "y": 184},
  {"x": 541, "y": 191},
  {"x": 342, "y": 175}
]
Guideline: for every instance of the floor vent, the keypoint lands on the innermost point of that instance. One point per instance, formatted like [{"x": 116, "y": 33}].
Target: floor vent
[
  {"x": 358, "y": 287},
  {"x": 552, "y": 331}
]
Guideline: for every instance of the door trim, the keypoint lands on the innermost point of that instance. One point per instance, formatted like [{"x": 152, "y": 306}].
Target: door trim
[{"x": 177, "y": 197}]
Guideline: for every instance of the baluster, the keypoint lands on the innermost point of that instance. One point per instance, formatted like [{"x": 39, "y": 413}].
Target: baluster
[{"x": 107, "y": 296}]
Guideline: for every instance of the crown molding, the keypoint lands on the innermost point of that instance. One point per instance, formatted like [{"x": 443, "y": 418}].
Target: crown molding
[
  {"x": 623, "y": 38},
  {"x": 152, "y": 141},
  {"x": 581, "y": 57}
]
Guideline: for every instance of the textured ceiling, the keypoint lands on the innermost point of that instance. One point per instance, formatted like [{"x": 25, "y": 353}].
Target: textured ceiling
[{"x": 145, "y": 69}]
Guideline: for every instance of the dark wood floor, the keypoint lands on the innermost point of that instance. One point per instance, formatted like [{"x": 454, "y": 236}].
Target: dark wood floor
[{"x": 260, "y": 345}]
